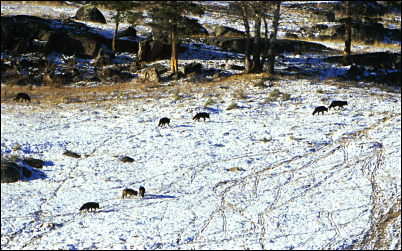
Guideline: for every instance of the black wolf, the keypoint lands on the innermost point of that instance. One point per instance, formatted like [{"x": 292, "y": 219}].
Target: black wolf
[
  {"x": 337, "y": 103},
  {"x": 164, "y": 121},
  {"x": 22, "y": 96},
  {"x": 90, "y": 205},
  {"x": 319, "y": 109},
  {"x": 127, "y": 192},
  {"x": 142, "y": 192},
  {"x": 201, "y": 115}
]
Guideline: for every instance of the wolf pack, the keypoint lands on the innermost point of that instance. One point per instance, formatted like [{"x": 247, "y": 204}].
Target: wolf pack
[
  {"x": 203, "y": 115},
  {"x": 129, "y": 193},
  {"x": 336, "y": 103}
]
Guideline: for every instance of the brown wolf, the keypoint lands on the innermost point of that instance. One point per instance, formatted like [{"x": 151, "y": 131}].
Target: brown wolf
[
  {"x": 23, "y": 97},
  {"x": 164, "y": 121},
  {"x": 319, "y": 109},
  {"x": 90, "y": 205},
  {"x": 142, "y": 192},
  {"x": 201, "y": 115},
  {"x": 127, "y": 192},
  {"x": 337, "y": 103}
]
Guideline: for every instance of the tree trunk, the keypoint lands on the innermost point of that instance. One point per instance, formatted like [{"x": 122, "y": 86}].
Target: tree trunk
[
  {"x": 272, "y": 41},
  {"x": 256, "y": 65},
  {"x": 115, "y": 33},
  {"x": 348, "y": 35},
  {"x": 174, "y": 57},
  {"x": 247, "y": 63},
  {"x": 265, "y": 47}
]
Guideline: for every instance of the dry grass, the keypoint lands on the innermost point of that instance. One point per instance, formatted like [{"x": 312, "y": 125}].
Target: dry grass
[
  {"x": 57, "y": 95},
  {"x": 376, "y": 44},
  {"x": 45, "y": 3}
]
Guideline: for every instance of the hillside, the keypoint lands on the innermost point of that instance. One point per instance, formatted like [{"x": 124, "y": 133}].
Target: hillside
[{"x": 262, "y": 173}]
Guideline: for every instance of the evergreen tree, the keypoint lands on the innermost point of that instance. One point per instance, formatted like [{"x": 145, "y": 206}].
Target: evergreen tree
[
  {"x": 355, "y": 14},
  {"x": 348, "y": 35},
  {"x": 168, "y": 19},
  {"x": 123, "y": 11}
]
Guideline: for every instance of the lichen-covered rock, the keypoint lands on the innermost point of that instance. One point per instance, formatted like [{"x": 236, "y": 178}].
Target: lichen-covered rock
[{"x": 90, "y": 13}]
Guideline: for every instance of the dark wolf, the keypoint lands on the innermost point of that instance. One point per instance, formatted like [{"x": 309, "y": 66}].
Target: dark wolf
[
  {"x": 142, "y": 192},
  {"x": 22, "y": 96},
  {"x": 337, "y": 103},
  {"x": 201, "y": 115},
  {"x": 127, "y": 192},
  {"x": 319, "y": 109},
  {"x": 90, "y": 205},
  {"x": 164, "y": 121}
]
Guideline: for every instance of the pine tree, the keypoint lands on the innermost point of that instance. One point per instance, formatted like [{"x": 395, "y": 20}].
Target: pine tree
[
  {"x": 348, "y": 35},
  {"x": 168, "y": 19},
  {"x": 124, "y": 11},
  {"x": 357, "y": 13}
]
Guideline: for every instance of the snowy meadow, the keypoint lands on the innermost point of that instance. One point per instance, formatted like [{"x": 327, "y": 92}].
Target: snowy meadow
[
  {"x": 261, "y": 173},
  {"x": 262, "y": 176}
]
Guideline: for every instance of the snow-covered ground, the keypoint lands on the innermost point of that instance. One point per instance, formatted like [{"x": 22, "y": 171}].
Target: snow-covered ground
[
  {"x": 303, "y": 181},
  {"x": 266, "y": 175}
]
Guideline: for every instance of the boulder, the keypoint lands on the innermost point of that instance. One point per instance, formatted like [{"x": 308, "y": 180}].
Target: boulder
[
  {"x": 37, "y": 163},
  {"x": 143, "y": 50},
  {"x": 376, "y": 60},
  {"x": 355, "y": 72},
  {"x": 150, "y": 75},
  {"x": 109, "y": 72},
  {"x": 223, "y": 31},
  {"x": 282, "y": 45},
  {"x": 323, "y": 16},
  {"x": 236, "y": 67},
  {"x": 127, "y": 159},
  {"x": 367, "y": 32},
  {"x": 9, "y": 172},
  {"x": 192, "y": 67},
  {"x": 90, "y": 13},
  {"x": 126, "y": 45},
  {"x": 103, "y": 58},
  {"x": 129, "y": 32},
  {"x": 150, "y": 50},
  {"x": 82, "y": 45},
  {"x": 71, "y": 154},
  {"x": 23, "y": 34},
  {"x": 159, "y": 68},
  {"x": 291, "y": 35},
  {"x": 194, "y": 28},
  {"x": 21, "y": 27},
  {"x": 135, "y": 66},
  {"x": 21, "y": 47}
]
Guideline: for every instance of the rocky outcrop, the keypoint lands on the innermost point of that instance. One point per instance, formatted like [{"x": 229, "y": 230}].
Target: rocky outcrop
[
  {"x": 149, "y": 75},
  {"x": 22, "y": 34},
  {"x": 283, "y": 45},
  {"x": 12, "y": 172},
  {"x": 367, "y": 32},
  {"x": 37, "y": 163},
  {"x": 129, "y": 32},
  {"x": 223, "y": 31},
  {"x": 90, "y": 13},
  {"x": 9, "y": 172},
  {"x": 150, "y": 50},
  {"x": 191, "y": 68},
  {"x": 381, "y": 67}
]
